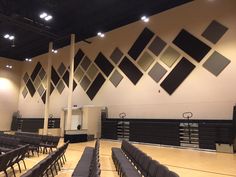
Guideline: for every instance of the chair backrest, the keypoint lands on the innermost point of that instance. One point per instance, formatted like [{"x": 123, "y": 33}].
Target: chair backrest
[{"x": 152, "y": 169}]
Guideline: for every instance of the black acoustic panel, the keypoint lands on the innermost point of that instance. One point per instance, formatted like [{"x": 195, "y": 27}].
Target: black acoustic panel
[
  {"x": 191, "y": 45},
  {"x": 66, "y": 77},
  {"x": 36, "y": 71},
  {"x": 54, "y": 76},
  {"x": 104, "y": 64},
  {"x": 31, "y": 88},
  {"x": 130, "y": 70},
  {"x": 43, "y": 97},
  {"x": 177, "y": 75},
  {"x": 95, "y": 86},
  {"x": 51, "y": 88},
  {"x": 140, "y": 43},
  {"x": 78, "y": 58},
  {"x": 74, "y": 85}
]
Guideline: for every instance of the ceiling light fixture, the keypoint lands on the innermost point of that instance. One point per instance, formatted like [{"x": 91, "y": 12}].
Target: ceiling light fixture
[
  {"x": 28, "y": 59},
  {"x": 145, "y": 19},
  {"x": 100, "y": 34},
  {"x": 8, "y": 36},
  {"x": 54, "y": 51},
  {"x": 45, "y": 16},
  {"x": 9, "y": 66}
]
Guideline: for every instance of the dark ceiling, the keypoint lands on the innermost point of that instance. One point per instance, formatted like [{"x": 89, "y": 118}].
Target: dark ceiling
[{"x": 82, "y": 17}]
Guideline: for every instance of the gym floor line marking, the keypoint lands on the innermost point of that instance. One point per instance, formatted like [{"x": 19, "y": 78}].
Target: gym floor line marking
[{"x": 205, "y": 171}]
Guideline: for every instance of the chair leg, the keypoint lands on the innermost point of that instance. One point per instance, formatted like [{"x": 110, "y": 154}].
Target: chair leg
[
  {"x": 24, "y": 164},
  {"x": 19, "y": 166},
  {"x": 6, "y": 173},
  {"x": 13, "y": 171}
]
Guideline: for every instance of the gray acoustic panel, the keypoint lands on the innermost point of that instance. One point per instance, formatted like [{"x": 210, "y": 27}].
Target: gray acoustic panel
[
  {"x": 26, "y": 77},
  {"x": 169, "y": 56},
  {"x": 85, "y": 83},
  {"x": 79, "y": 74},
  {"x": 157, "y": 72},
  {"x": 116, "y": 55},
  {"x": 41, "y": 90},
  {"x": 214, "y": 32},
  {"x": 157, "y": 46},
  {"x": 60, "y": 86},
  {"x": 92, "y": 71},
  {"x": 24, "y": 92},
  {"x": 116, "y": 78},
  {"x": 145, "y": 61},
  {"x": 85, "y": 63},
  {"x": 42, "y": 73},
  {"x": 61, "y": 69},
  {"x": 37, "y": 82},
  {"x": 44, "y": 81},
  {"x": 216, "y": 63}
]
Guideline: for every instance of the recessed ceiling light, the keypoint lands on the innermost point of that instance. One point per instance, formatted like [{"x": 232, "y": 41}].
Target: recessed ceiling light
[
  {"x": 43, "y": 15},
  {"x": 6, "y": 36},
  {"x": 28, "y": 59},
  {"x": 9, "y": 66},
  {"x": 12, "y": 37},
  {"x": 100, "y": 34},
  {"x": 47, "y": 18},
  {"x": 54, "y": 51},
  {"x": 145, "y": 19}
]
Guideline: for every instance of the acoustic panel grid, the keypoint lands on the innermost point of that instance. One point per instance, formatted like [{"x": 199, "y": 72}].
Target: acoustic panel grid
[{"x": 149, "y": 54}]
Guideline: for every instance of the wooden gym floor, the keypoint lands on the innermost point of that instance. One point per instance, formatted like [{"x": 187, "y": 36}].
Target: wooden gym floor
[{"x": 185, "y": 162}]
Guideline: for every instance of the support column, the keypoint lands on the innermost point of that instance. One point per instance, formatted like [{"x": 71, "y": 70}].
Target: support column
[
  {"x": 46, "y": 110},
  {"x": 69, "y": 105}
]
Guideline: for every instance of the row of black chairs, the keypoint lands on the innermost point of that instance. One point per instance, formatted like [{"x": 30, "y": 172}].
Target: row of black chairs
[
  {"x": 132, "y": 162},
  {"x": 8, "y": 143},
  {"x": 37, "y": 142},
  {"x": 10, "y": 158},
  {"x": 52, "y": 163},
  {"x": 88, "y": 165}
]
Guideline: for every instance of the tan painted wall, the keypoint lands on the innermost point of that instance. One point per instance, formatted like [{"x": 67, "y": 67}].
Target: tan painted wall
[
  {"x": 9, "y": 91},
  {"x": 202, "y": 93}
]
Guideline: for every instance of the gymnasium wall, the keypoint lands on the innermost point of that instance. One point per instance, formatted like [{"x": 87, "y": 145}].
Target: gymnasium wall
[
  {"x": 9, "y": 91},
  {"x": 182, "y": 60}
]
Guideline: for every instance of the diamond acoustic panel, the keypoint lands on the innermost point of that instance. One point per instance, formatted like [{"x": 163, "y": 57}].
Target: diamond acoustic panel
[
  {"x": 31, "y": 88},
  {"x": 41, "y": 90},
  {"x": 26, "y": 78},
  {"x": 191, "y": 45},
  {"x": 92, "y": 71},
  {"x": 169, "y": 56},
  {"x": 95, "y": 86},
  {"x": 78, "y": 58},
  {"x": 214, "y": 32},
  {"x": 43, "y": 97},
  {"x": 37, "y": 82},
  {"x": 54, "y": 76},
  {"x": 24, "y": 92},
  {"x": 42, "y": 73},
  {"x": 85, "y": 83},
  {"x": 216, "y": 63},
  {"x": 140, "y": 43},
  {"x": 60, "y": 86},
  {"x": 104, "y": 64},
  {"x": 36, "y": 71},
  {"x": 157, "y": 46},
  {"x": 116, "y": 78},
  {"x": 116, "y": 55},
  {"x": 177, "y": 75},
  {"x": 51, "y": 88},
  {"x": 74, "y": 85},
  {"x": 85, "y": 63},
  {"x": 61, "y": 69},
  {"x": 130, "y": 70},
  {"x": 157, "y": 72},
  {"x": 79, "y": 73},
  {"x": 145, "y": 61},
  {"x": 66, "y": 77}
]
